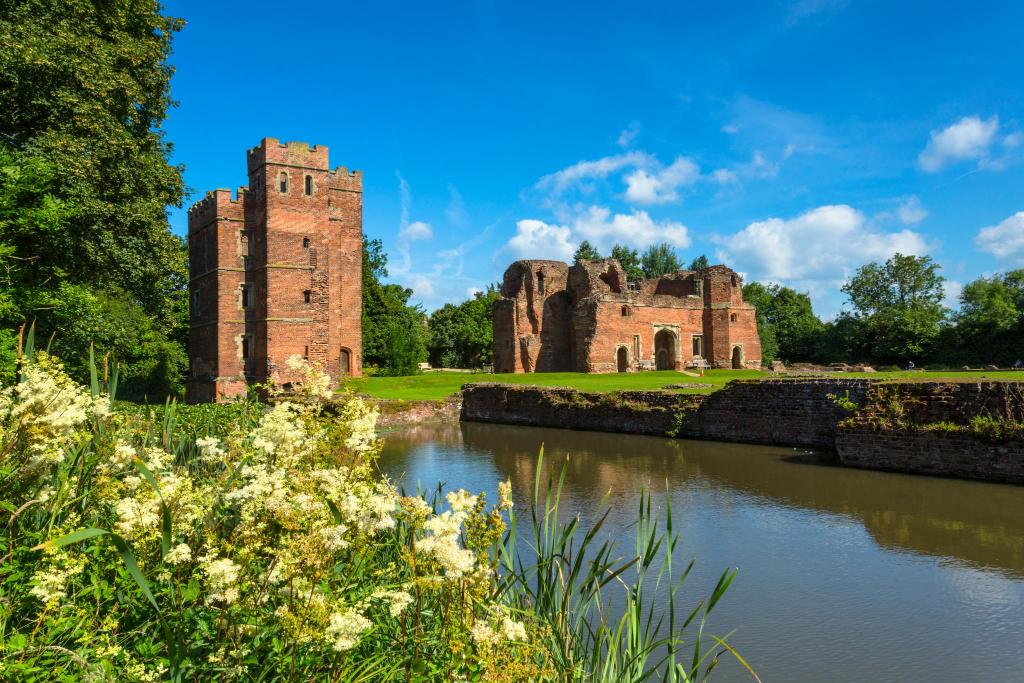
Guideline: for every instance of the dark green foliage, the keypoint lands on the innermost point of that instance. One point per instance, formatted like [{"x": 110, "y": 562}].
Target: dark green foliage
[
  {"x": 899, "y": 305},
  {"x": 85, "y": 182},
  {"x": 585, "y": 252},
  {"x": 699, "y": 263},
  {"x": 394, "y": 336},
  {"x": 461, "y": 336},
  {"x": 630, "y": 261},
  {"x": 990, "y": 324},
  {"x": 786, "y": 321},
  {"x": 660, "y": 259}
]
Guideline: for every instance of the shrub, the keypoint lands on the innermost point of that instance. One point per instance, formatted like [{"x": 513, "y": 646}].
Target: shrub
[{"x": 249, "y": 542}]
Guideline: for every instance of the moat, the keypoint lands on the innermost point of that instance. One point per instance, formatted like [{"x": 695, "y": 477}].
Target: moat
[{"x": 844, "y": 575}]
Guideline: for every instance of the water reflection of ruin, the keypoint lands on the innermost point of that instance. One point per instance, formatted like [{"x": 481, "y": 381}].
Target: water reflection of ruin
[{"x": 973, "y": 522}]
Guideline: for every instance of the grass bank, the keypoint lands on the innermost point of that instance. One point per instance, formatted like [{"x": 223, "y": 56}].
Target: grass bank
[{"x": 433, "y": 386}]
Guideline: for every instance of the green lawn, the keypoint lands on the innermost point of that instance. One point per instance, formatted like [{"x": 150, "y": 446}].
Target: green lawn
[{"x": 438, "y": 385}]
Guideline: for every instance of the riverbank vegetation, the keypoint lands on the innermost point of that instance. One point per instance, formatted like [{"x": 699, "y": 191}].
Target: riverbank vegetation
[{"x": 261, "y": 544}]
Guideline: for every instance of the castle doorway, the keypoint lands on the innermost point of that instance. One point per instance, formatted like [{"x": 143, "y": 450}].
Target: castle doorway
[
  {"x": 665, "y": 350},
  {"x": 737, "y": 358},
  {"x": 622, "y": 359},
  {"x": 345, "y": 366}
]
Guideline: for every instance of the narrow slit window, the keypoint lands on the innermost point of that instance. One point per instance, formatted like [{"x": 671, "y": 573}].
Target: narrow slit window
[
  {"x": 245, "y": 348},
  {"x": 307, "y": 296},
  {"x": 732, "y": 317},
  {"x": 309, "y": 185},
  {"x": 246, "y": 296},
  {"x": 282, "y": 182},
  {"x": 305, "y": 352},
  {"x": 305, "y": 243}
]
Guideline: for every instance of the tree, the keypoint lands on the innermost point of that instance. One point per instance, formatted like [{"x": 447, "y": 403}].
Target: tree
[
  {"x": 899, "y": 304},
  {"x": 989, "y": 327},
  {"x": 699, "y": 263},
  {"x": 394, "y": 336},
  {"x": 629, "y": 259},
  {"x": 660, "y": 259},
  {"x": 585, "y": 252},
  {"x": 85, "y": 180},
  {"x": 462, "y": 335},
  {"x": 788, "y": 317}
]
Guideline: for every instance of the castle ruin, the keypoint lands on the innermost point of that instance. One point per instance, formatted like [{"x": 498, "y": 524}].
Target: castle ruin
[
  {"x": 553, "y": 317},
  {"x": 274, "y": 272}
]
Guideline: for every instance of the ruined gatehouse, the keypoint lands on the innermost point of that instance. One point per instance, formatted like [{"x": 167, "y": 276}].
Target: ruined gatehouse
[{"x": 588, "y": 318}]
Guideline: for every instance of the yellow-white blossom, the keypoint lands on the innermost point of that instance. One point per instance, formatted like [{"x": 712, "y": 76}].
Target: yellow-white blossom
[
  {"x": 505, "y": 494},
  {"x": 179, "y": 554},
  {"x": 397, "y": 600},
  {"x": 346, "y": 628}
]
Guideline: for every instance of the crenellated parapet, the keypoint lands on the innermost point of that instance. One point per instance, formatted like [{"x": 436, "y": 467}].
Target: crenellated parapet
[
  {"x": 295, "y": 154},
  {"x": 216, "y": 204}
]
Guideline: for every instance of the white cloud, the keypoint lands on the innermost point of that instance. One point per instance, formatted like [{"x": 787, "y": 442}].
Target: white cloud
[
  {"x": 456, "y": 211},
  {"x": 724, "y": 176},
  {"x": 730, "y": 129},
  {"x": 1013, "y": 140},
  {"x": 967, "y": 139},
  {"x": 537, "y": 239},
  {"x": 815, "y": 251},
  {"x": 628, "y": 135},
  {"x": 660, "y": 186},
  {"x": 598, "y": 226},
  {"x": 1004, "y": 241},
  {"x": 911, "y": 211},
  {"x": 572, "y": 176},
  {"x": 417, "y": 230},
  {"x": 951, "y": 290}
]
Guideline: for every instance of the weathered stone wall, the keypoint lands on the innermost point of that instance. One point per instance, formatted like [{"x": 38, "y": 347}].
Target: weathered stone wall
[
  {"x": 276, "y": 272},
  {"x": 927, "y": 428},
  {"x": 922, "y": 428},
  {"x": 629, "y": 412}
]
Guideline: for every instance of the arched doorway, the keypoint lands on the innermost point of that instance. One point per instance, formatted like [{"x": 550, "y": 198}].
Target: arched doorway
[
  {"x": 345, "y": 366},
  {"x": 737, "y": 358},
  {"x": 665, "y": 350},
  {"x": 622, "y": 359}
]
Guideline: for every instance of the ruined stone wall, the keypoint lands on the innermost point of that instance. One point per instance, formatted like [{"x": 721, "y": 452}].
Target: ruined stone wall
[
  {"x": 296, "y": 250},
  {"x": 533, "y": 321},
  {"x": 918, "y": 428},
  {"x": 582, "y": 322},
  {"x": 961, "y": 429}
]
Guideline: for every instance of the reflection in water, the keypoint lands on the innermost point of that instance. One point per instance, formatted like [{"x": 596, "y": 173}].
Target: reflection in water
[{"x": 844, "y": 574}]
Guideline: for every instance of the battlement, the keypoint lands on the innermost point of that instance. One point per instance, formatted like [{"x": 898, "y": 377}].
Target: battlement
[
  {"x": 301, "y": 154},
  {"x": 343, "y": 179},
  {"x": 215, "y": 204}
]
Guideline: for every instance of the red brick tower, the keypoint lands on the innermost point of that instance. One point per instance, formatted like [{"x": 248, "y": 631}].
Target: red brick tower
[{"x": 275, "y": 273}]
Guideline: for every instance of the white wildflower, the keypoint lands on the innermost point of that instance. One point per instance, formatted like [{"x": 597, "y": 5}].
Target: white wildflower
[
  {"x": 50, "y": 583},
  {"x": 345, "y": 629},
  {"x": 221, "y": 575},
  {"x": 397, "y": 600},
  {"x": 461, "y": 501},
  {"x": 280, "y": 431},
  {"x": 512, "y": 630},
  {"x": 333, "y": 537},
  {"x": 210, "y": 450},
  {"x": 482, "y": 634},
  {"x": 361, "y": 418},
  {"x": 179, "y": 554},
  {"x": 505, "y": 494}
]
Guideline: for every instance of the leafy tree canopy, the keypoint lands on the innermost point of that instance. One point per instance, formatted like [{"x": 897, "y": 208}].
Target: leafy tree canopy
[
  {"x": 585, "y": 252},
  {"x": 461, "y": 336},
  {"x": 699, "y": 263},
  {"x": 899, "y": 304},
  {"x": 630, "y": 261},
  {"x": 394, "y": 336},
  {"x": 660, "y": 259}
]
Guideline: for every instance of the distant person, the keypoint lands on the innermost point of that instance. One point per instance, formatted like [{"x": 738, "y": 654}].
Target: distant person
[
  {"x": 1019, "y": 364},
  {"x": 910, "y": 365}
]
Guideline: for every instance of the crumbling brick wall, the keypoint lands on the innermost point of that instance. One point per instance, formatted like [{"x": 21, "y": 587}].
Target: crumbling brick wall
[
  {"x": 587, "y": 317},
  {"x": 276, "y": 272}
]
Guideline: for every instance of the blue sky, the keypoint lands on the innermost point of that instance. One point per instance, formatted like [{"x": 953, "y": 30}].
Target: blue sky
[{"x": 793, "y": 141}]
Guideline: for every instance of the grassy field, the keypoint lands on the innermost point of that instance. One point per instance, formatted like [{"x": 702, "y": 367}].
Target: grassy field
[{"x": 438, "y": 385}]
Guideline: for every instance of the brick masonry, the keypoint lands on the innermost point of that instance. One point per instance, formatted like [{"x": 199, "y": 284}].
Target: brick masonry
[
  {"x": 802, "y": 413},
  {"x": 275, "y": 271},
  {"x": 588, "y": 318}
]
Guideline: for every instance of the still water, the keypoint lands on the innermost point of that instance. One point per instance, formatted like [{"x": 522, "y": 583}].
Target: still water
[{"x": 844, "y": 575}]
